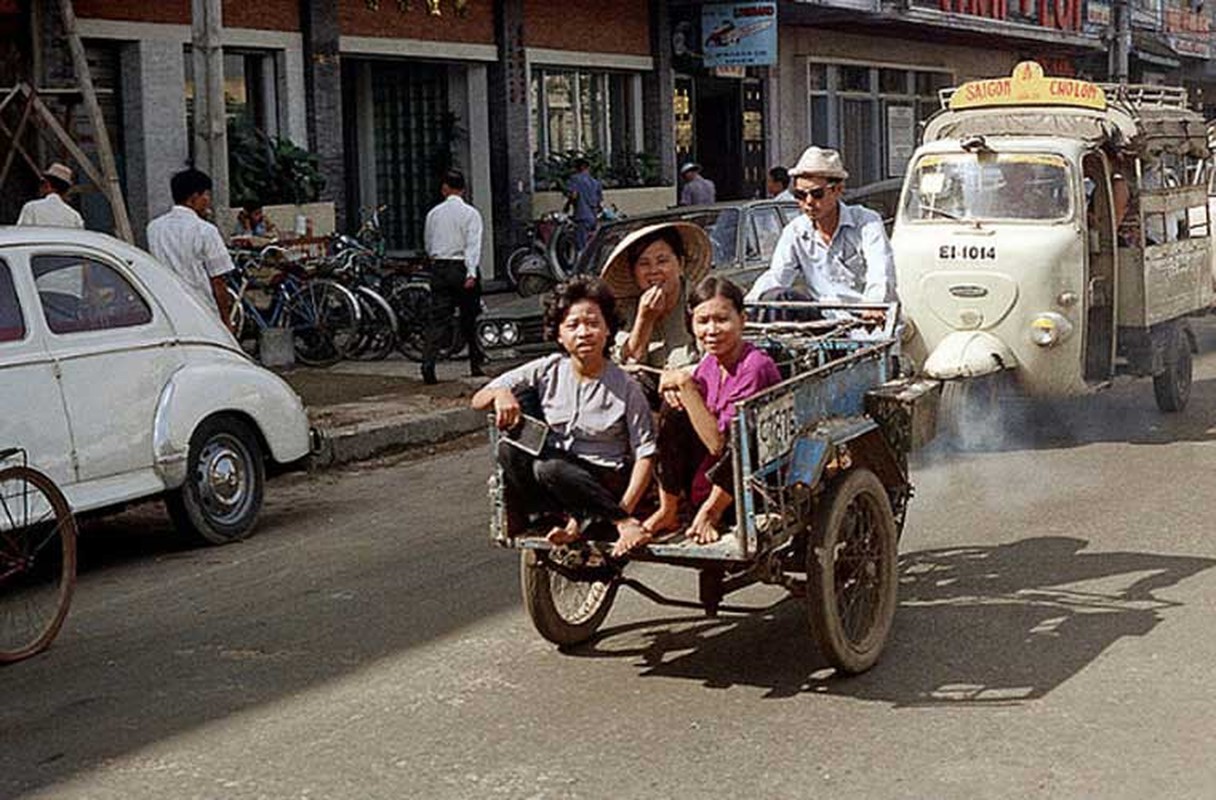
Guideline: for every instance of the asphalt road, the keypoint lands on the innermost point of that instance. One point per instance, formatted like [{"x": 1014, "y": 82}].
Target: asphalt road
[{"x": 1054, "y": 639}]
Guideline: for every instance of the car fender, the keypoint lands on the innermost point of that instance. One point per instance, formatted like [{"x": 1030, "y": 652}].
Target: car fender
[
  {"x": 968, "y": 354},
  {"x": 190, "y": 396}
]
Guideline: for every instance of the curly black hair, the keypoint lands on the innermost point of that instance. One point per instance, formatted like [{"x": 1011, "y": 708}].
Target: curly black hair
[{"x": 581, "y": 287}]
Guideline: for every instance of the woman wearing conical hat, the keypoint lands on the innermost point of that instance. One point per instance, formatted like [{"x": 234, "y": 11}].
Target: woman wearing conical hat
[{"x": 650, "y": 272}]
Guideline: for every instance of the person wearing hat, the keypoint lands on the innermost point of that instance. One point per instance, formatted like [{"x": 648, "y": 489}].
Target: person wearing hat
[
  {"x": 698, "y": 190},
  {"x": 650, "y": 271},
  {"x": 51, "y": 209},
  {"x": 841, "y": 251}
]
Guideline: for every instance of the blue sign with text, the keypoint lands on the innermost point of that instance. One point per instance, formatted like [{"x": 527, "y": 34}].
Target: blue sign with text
[{"x": 739, "y": 34}]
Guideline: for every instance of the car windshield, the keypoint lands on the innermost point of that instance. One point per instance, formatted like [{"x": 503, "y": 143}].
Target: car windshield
[
  {"x": 721, "y": 224},
  {"x": 989, "y": 186}
]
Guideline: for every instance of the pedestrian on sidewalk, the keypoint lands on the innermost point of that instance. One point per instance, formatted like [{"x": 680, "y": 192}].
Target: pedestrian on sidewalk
[
  {"x": 585, "y": 195},
  {"x": 452, "y": 237},
  {"x": 697, "y": 191},
  {"x": 185, "y": 241},
  {"x": 51, "y": 209}
]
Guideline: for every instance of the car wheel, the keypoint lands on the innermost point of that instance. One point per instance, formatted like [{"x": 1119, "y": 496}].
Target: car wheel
[{"x": 225, "y": 481}]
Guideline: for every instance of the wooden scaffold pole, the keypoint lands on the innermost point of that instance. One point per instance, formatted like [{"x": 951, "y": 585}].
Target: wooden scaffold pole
[{"x": 110, "y": 183}]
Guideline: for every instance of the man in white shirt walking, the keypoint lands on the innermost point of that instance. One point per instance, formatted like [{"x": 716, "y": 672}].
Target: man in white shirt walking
[
  {"x": 52, "y": 210},
  {"x": 183, "y": 240},
  {"x": 453, "y": 243}
]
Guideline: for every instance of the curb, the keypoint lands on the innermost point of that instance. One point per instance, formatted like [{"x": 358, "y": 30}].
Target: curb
[{"x": 390, "y": 434}]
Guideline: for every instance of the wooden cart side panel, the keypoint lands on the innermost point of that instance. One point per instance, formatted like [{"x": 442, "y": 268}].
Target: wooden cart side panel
[{"x": 1167, "y": 281}]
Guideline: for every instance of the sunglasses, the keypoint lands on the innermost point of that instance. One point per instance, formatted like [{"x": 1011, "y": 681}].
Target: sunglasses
[{"x": 816, "y": 193}]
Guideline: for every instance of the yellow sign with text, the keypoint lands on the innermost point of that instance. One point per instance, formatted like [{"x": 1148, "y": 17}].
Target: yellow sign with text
[{"x": 1028, "y": 87}]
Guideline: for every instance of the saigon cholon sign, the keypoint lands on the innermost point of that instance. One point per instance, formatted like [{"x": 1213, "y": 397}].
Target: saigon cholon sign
[
  {"x": 1028, "y": 87},
  {"x": 1064, "y": 15}
]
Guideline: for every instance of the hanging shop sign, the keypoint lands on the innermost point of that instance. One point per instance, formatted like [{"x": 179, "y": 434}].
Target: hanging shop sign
[
  {"x": 1188, "y": 33},
  {"x": 1097, "y": 14},
  {"x": 739, "y": 34},
  {"x": 1064, "y": 15},
  {"x": 1028, "y": 87}
]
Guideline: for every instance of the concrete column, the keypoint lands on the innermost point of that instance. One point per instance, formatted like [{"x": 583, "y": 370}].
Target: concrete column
[
  {"x": 323, "y": 95},
  {"x": 658, "y": 91},
  {"x": 154, "y": 119},
  {"x": 510, "y": 157},
  {"x": 478, "y": 170},
  {"x": 293, "y": 107}
]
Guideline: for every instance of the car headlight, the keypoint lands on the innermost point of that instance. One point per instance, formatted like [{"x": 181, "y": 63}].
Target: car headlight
[
  {"x": 509, "y": 334},
  {"x": 488, "y": 333},
  {"x": 1049, "y": 329}
]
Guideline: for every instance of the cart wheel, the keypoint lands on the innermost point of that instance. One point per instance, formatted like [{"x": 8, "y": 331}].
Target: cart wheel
[
  {"x": 564, "y": 611},
  {"x": 1173, "y": 386},
  {"x": 852, "y": 572}
]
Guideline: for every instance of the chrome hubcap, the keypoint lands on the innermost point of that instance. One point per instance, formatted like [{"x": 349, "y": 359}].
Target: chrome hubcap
[{"x": 223, "y": 479}]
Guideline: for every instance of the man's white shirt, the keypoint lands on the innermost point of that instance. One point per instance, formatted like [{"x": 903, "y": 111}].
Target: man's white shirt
[
  {"x": 453, "y": 231},
  {"x": 857, "y": 267},
  {"x": 192, "y": 247},
  {"x": 51, "y": 211}
]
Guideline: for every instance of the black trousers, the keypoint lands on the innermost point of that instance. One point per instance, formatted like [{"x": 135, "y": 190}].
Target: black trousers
[
  {"x": 556, "y": 481},
  {"x": 681, "y": 452},
  {"x": 448, "y": 293}
]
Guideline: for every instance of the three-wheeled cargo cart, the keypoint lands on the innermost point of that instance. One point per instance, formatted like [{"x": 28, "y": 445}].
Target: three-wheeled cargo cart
[{"x": 821, "y": 492}]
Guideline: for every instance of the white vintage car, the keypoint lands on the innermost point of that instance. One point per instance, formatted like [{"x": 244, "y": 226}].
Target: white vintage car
[{"x": 122, "y": 386}]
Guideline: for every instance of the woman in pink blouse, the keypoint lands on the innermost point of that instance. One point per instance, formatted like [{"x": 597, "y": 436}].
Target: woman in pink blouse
[{"x": 693, "y": 457}]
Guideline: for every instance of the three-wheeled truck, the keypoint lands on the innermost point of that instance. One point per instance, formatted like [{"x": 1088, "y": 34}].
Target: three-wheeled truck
[
  {"x": 821, "y": 492},
  {"x": 1052, "y": 235}
]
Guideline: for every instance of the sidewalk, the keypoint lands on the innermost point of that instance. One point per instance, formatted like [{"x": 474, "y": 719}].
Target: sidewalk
[{"x": 370, "y": 408}]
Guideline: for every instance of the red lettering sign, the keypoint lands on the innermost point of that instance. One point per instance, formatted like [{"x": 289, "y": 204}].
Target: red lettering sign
[{"x": 1059, "y": 14}]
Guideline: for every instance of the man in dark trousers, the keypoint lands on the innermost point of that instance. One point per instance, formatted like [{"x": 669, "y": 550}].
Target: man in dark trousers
[{"x": 453, "y": 243}]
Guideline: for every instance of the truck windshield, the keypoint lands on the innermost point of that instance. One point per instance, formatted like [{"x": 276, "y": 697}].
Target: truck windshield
[{"x": 989, "y": 186}]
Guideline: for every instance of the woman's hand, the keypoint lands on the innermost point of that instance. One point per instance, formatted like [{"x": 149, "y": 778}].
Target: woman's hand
[
  {"x": 652, "y": 304},
  {"x": 672, "y": 383},
  {"x": 506, "y": 410}
]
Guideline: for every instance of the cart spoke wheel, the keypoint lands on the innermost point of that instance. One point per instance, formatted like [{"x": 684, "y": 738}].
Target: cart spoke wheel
[
  {"x": 565, "y": 608},
  {"x": 852, "y": 572}
]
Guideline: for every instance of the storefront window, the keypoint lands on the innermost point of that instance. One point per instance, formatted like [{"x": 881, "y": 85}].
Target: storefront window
[
  {"x": 870, "y": 113},
  {"x": 581, "y": 111}
]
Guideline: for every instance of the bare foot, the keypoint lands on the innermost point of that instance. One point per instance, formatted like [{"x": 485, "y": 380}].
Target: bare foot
[
  {"x": 564, "y": 535},
  {"x": 633, "y": 535},
  {"x": 662, "y": 520},
  {"x": 703, "y": 530}
]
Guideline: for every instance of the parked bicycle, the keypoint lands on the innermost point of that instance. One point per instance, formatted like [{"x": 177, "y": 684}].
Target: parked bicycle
[
  {"x": 323, "y": 315},
  {"x": 37, "y": 558},
  {"x": 358, "y": 270}
]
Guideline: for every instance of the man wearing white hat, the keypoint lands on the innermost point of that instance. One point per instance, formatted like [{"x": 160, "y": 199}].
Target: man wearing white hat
[
  {"x": 841, "y": 251},
  {"x": 52, "y": 210},
  {"x": 698, "y": 190}
]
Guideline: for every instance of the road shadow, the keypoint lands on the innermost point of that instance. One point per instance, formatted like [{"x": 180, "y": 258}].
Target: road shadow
[{"x": 976, "y": 625}]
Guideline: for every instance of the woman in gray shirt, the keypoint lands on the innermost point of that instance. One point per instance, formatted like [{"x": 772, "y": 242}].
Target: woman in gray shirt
[{"x": 597, "y": 458}]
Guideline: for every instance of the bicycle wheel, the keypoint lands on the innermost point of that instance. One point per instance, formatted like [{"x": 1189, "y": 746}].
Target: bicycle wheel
[
  {"x": 411, "y": 301},
  {"x": 378, "y": 325},
  {"x": 37, "y": 561},
  {"x": 563, "y": 250},
  {"x": 324, "y": 320},
  {"x": 236, "y": 315}
]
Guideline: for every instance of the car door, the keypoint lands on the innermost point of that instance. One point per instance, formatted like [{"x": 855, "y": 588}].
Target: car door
[
  {"x": 32, "y": 414},
  {"x": 115, "y": 350}
]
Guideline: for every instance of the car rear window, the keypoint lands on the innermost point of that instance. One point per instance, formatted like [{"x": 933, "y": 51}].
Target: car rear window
[
  {"x": 12, "y": 323},
  {"x": 81, "y": 294}
]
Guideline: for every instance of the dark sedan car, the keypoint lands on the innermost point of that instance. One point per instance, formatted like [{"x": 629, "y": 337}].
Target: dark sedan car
[{"x": 744, "y": 234}]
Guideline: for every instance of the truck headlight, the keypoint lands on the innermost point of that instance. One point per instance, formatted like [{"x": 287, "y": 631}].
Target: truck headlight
[
  {"x": 1049, "y": 329},
  {"x": 509, "y": 334},
  {"x": 488, "y": 333}
]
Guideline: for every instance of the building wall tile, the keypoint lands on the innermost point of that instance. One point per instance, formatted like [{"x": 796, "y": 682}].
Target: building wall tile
[{"x": 597, "y": 26}]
